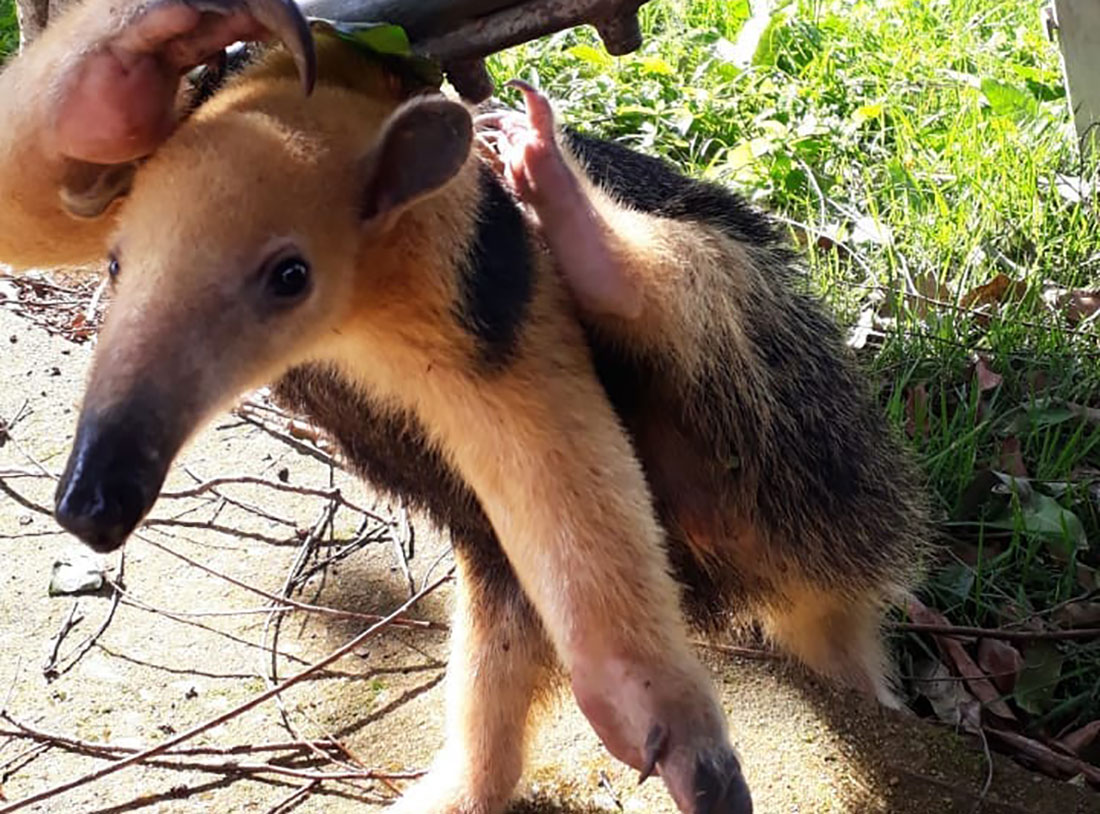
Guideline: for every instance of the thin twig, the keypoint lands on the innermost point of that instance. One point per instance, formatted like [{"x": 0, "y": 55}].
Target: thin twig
[
  {"x": 255, "y": 701},
  {"x": 403, "y": 553},
  {"x": 997, "y": 633},
  {"x": 49, "y": 667},
  {"x": 328, "y": 494},
  {"x": 287, "y": 803},
  {"x": 89, "y": 642},
  {"x": 365, "y": 617}
]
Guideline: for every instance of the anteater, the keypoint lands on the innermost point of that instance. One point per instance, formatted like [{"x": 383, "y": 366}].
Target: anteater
[{"x": 606, "y": 379}]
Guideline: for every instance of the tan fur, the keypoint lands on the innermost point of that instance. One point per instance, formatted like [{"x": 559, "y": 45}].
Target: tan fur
[{"x": 499, "y": 669}]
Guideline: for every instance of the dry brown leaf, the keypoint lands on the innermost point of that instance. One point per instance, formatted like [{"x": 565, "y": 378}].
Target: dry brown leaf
[
  {"x": 929, "y": 292},
  {"x": 1090, "y": 414},
  {"x": 951, "y": 702},
  {"x": 1001, "y": 662},
  {"x": 1000, "y": 289},
  {"x": 952, "y": 650},
  {"x": 1084, "y": 613},
  {"x": 916, "y": 411},
  {"x": 1081, "y": 304},
  {"x": 1080, "y": 739},
  {"x": 1046, "y": 759},
  {"x": 987, "y": 378},
  {"x": 1010, "y": 460}
]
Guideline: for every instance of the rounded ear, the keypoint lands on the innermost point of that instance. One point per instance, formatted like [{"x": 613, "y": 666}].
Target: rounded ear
[
  {"x": 422, "y": 147},
  {"x": 88, "y": 189}
]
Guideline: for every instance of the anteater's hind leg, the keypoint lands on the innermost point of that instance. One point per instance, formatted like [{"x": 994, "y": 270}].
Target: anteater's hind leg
[
  {"x": 838, "y": 636},
  {"x": 500, "y": 662}
]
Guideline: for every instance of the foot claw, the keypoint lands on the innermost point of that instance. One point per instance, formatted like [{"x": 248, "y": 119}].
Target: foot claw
[{"x": 656, "y": 743}]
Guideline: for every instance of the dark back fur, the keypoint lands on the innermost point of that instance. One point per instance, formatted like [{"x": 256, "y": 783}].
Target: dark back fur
[{"x": 802, "y": 451}]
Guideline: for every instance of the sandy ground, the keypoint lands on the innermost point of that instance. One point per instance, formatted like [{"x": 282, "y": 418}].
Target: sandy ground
[{"x": 805, "y": 748}]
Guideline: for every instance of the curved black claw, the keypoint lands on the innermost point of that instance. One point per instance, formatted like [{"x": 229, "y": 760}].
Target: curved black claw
[
  {"x": 656, "y": 744},
  {"x": 720, "y": 788},
  {"x": 285, "y": 20}
]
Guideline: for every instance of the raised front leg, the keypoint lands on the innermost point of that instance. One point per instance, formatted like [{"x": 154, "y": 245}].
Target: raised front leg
[{"x": 500, "y": 662}]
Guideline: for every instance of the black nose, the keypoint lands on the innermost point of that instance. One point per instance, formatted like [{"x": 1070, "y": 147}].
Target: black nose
[{"x": 113, "y": 477}]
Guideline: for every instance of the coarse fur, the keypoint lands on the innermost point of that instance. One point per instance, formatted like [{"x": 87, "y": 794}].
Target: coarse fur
[{"x": 724, "y": 435}]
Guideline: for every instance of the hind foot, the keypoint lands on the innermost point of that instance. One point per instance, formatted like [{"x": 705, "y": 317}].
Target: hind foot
[
  {"x": 533, "y": 164},
  {"x": 839, "y": 638}
]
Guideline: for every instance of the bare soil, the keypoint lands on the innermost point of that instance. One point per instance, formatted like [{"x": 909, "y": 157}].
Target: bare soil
[{"x": 805, "y": 748}]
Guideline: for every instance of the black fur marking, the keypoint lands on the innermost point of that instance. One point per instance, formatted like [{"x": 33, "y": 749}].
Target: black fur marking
[
  {"x": 656, "y": 187},
  {"x": 499, "y": 281}
]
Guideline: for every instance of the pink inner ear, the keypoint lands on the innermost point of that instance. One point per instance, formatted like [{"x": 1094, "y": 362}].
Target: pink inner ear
[{"x": 424, "y": 145}]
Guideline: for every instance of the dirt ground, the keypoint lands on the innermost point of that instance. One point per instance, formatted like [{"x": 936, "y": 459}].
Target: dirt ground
[{"x": 157, "y": 672}]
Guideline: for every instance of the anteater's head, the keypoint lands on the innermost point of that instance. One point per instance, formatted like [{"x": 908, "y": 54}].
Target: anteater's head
[{"x": 249, "y": 243}]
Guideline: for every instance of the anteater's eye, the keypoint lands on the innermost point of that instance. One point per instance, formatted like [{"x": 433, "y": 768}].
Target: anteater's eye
[
  {"x": 288, "y": 278},
  {"x": 113, "y": 267}
]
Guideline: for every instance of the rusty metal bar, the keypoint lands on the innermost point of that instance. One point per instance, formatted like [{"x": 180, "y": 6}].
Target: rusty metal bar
[{"x": 461, "y": 33}]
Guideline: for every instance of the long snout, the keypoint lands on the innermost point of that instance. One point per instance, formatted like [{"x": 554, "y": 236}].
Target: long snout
[{"x": 117, "y": 465}]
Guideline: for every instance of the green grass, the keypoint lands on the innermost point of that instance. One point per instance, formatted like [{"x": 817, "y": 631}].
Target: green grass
[
  {"x": 9, "y": 30},
  {"x": 945, "y": 124}
]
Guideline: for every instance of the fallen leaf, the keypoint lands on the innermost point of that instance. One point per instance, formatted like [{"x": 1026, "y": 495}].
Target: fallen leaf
[
  {"x": 1073, "y": 188},
  {"x": 1010, "y": 459},
  {"x": 1080, "y": 739},
  {"x": 1082, "y": 305},
  {"x": 916, "y": 411},
  {"x": 868, "y": 230},
  {"x": 950, "y": 700},
  {"x": 1001, "y": 662},
  {"x": 1083, "y": 613},
  {"x": 1037, "y": 681},
  {"x": 951, "y": 648},
  {"x": 1045, "y": 758},
  {"x": 1090, "y": 414},
  {"x": 1088, "y": 578},
  {"x": 1000, "y": 289},
  {"x": 929, "y": 291},
  {"x": 862, "y": 330},
  {"x": 1042, "y": 516},
  {"x": 987, "y": 378}
]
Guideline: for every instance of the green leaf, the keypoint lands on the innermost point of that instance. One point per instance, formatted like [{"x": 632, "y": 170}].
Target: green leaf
[
  {"x": 591, "y": 55},
  {"x": 767, "y": 50},
  {"x": 382, "y": 38},
  {"x": 1005, "y": 100},
  {"x": 656, "y": 65},
  {"x": 1049, "y": 520},
  {"x": 868, "y": 112},
  {"x": 1038, "y": 680},
  {"x": 386, "y": 41}
]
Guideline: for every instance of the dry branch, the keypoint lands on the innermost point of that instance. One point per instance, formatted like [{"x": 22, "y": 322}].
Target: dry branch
[
  {"x": 997, "y": 633},
  {"x": 255, "y": 701},
  {"x": 293, "y": 604}
]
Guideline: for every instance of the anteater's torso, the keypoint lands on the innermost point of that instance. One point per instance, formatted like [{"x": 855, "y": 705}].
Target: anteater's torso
[{"x": 796, "y": 463}]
